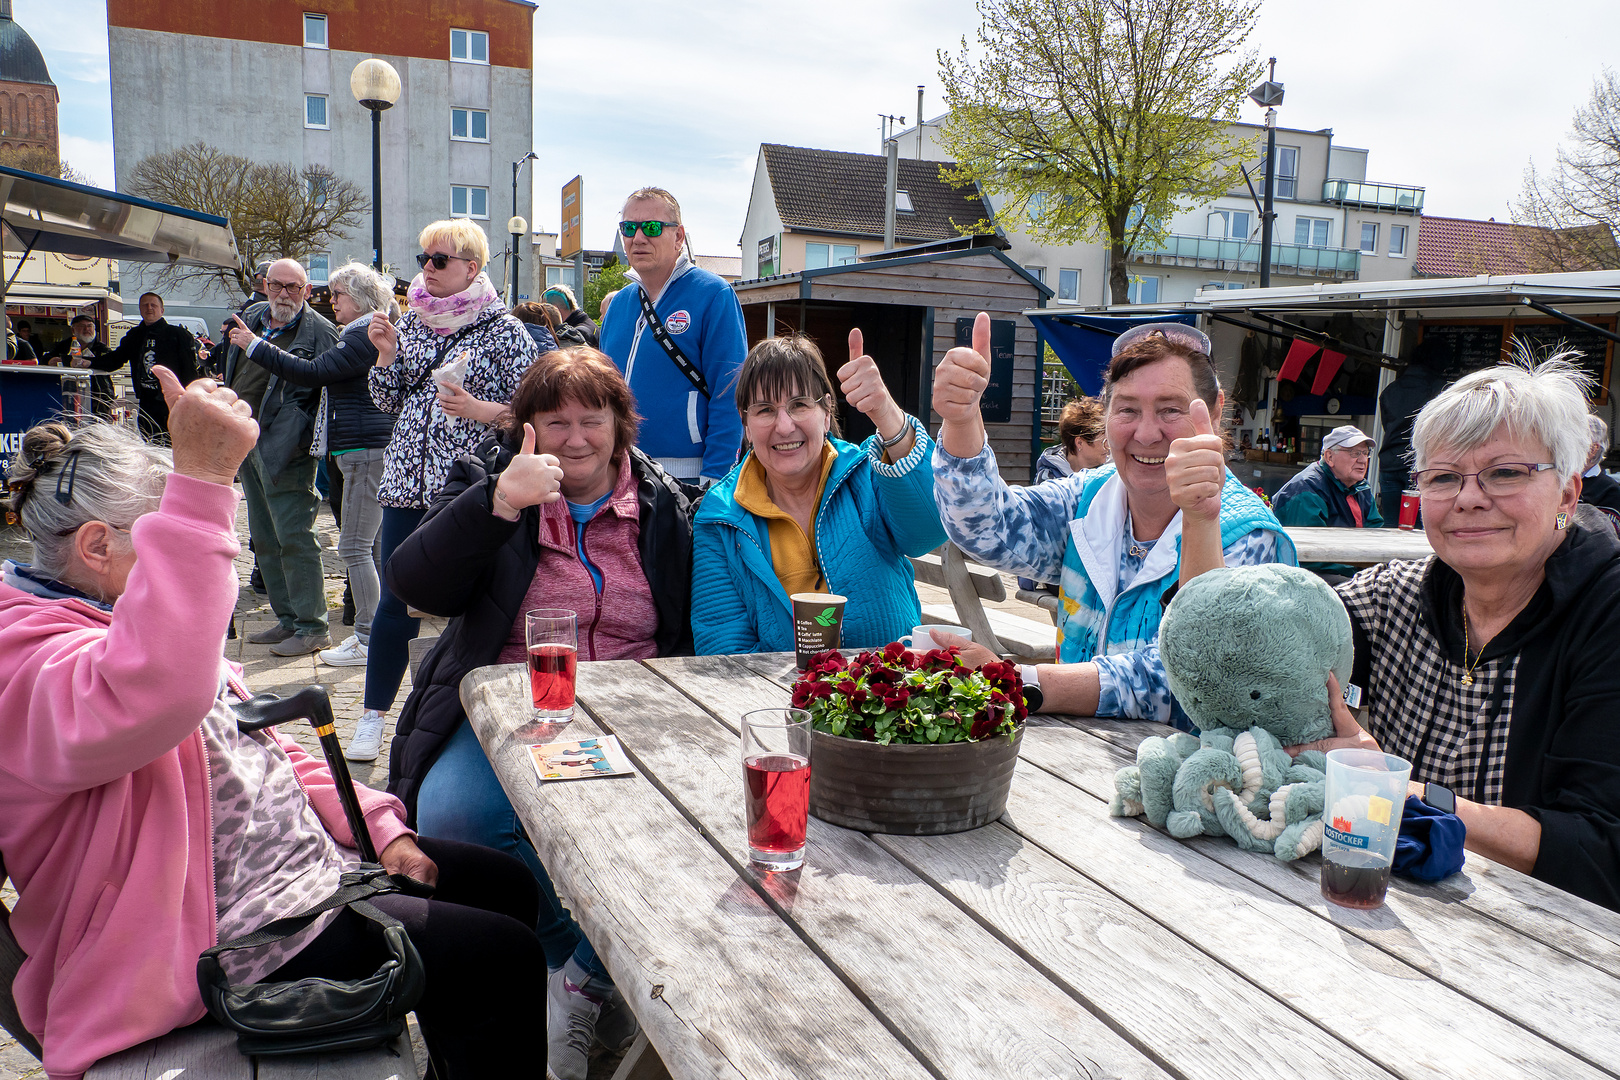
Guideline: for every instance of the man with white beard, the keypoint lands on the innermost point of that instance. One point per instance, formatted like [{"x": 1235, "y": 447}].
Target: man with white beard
[{"x": 278, "y": 477}]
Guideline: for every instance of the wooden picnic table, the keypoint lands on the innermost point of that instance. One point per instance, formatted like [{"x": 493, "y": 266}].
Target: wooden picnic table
[
  {"x": 1057, "y": 942},
  {"x": 1357, "y": 547}
]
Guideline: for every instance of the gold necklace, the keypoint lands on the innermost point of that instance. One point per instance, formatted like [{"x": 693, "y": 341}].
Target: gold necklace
[{"x": 1468, "y": 669}]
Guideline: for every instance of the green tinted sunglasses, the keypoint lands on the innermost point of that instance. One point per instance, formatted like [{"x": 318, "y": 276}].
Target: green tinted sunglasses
[{"x": 649, "y": 229}]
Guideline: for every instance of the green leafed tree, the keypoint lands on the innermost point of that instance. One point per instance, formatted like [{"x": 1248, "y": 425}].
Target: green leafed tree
[
  {"x": 610, "y": 278},
  {"x": 276, "y": 210},
  {"x": 1095, "y": 120}
]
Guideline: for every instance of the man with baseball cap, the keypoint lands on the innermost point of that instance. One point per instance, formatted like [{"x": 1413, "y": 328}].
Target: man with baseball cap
[{"x": 1332, "y": 491}]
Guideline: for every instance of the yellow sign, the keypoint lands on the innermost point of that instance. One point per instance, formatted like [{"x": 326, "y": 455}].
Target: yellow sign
[{"x": 571, "y": 240}]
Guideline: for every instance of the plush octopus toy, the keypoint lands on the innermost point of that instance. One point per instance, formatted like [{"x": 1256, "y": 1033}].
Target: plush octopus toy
[{"x": 1247, "y": 650}]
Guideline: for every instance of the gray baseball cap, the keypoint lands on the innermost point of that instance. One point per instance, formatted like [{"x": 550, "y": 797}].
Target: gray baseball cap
[
  {"x": 1343, "y": 436},
  {"x": 1174, "y": 331}
]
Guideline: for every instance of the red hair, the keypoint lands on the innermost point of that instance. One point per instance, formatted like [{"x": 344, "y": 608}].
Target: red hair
[{"x": 578, "y": 375}]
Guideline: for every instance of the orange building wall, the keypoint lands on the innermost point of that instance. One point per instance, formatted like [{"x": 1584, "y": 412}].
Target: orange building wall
[{"x": 404, "y": 28}]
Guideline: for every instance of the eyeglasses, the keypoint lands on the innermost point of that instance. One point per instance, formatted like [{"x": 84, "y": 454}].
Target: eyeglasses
[
  {"x": 799, "y": 409},
  {"x": 282, "y": 286},
  {"x": 650, "y": 229},
  {"x": 1507, "y": 478},
  {"x": 438, "y": 259},
  {"x": 1360, "y": 453}
]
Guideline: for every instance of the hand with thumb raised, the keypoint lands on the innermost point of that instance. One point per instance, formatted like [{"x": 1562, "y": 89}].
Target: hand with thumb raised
[
  {"x": 1196, "y": 466},
  {"x": 530, "y": 479}
]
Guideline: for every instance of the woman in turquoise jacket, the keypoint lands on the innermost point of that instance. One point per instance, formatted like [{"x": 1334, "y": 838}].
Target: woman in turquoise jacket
[{"x": 807, "y": 512}]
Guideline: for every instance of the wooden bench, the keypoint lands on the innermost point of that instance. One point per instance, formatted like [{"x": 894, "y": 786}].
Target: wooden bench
[
  {"x": 969, "y": 585},
  {"x": 203, "y": 1051}
]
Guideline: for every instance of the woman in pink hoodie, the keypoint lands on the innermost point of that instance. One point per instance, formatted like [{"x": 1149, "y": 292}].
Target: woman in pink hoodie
[{"x": 140, "y": 827}]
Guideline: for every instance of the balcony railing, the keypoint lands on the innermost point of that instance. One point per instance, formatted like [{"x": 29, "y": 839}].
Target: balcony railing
[
  {"x": 1373, "y": 196},
  {"x": 1244, "y": 254}
]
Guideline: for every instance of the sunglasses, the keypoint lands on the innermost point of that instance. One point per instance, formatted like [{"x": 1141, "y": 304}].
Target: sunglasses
[
  {"x": 438, "y": 260},
  {"x": 649, "y": 229}
]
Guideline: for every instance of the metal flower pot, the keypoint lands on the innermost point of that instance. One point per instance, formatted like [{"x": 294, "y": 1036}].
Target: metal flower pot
[{"x": 909, "y": 789}]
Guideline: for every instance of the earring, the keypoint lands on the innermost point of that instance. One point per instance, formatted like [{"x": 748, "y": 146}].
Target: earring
[{"x": 1560, "y": 521}]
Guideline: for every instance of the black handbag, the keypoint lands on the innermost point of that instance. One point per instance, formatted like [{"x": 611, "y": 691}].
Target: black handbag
[{"x": 316, "y": 1014}]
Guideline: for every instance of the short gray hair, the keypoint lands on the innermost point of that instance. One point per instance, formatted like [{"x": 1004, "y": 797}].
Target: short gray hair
[
  {"x": 1543, "y": 400},
  {"x": 115, "y": 477},
  {"x": 363, "y": 285},
  {"x": 1598, "y": 429}
]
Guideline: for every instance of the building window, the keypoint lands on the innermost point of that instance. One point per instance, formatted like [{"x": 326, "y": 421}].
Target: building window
[
  {"x": 469, "y": 202},
  {"x": 902, "y": 202},
  {"x": 1228, "y": 223},
  {"x": 319, "y": 186},
  {"x": 469, "y": 124},
  {"x": 1038, "y": 273},
  {"x": 1143, "y": 290},
  {"x": 314, "y": 31},
  {"x": 1287, "y": 171},
  {"x": 819, "y": 255},
  {"x": 320, "y": 269},
  {"x": 1369, "y": 238},
  {"x": 315, "y": 111},
  {"x": 1397, "y": 239},
  {"x": 1069, "y": 285},
  {"x": 469, "y": 46},
  {"x": 1311, "y": 232}
]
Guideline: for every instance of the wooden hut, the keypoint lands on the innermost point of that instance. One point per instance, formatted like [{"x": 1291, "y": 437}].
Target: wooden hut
[{"x": 913, "y": 305}]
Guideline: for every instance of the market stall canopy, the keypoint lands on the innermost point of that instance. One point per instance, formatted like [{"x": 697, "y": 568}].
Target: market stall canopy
[
  {"x": 1085, "y": 342},
  {"x": 43, "y": 213}
]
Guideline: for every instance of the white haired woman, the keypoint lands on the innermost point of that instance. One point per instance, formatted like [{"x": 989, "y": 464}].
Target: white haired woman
[
  {"x": 1490, "y": 665},
  {"x": 349, "y": 426},
  {"x": 454, "y": 311}
]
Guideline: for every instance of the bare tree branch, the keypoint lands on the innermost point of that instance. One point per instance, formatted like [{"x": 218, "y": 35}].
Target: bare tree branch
[
  {"x": 275, "y": 210},
  {"x": 1574, "y": 210}
]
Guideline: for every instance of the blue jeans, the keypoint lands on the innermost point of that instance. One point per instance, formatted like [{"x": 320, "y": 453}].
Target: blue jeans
[
  {"x": 460, "y": 799},
  {"x": 392, "y": 629}
]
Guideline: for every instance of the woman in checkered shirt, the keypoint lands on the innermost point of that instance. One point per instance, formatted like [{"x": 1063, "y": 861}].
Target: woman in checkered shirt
[{"x": 1491, "y": 665}]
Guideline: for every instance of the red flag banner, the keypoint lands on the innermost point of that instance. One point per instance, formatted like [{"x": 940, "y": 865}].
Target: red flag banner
[
  {"x": 1326, "y": 368},
  {"x": 1298, "y": 353}
]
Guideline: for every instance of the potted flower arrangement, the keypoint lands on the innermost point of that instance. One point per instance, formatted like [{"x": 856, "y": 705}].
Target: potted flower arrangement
[{"x": 911, "y": 743}]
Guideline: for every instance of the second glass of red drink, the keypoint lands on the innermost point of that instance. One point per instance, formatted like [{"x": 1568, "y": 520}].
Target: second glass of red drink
[
  {"x": 553, "y": 662},
  {"x": 776, "y": 781}
]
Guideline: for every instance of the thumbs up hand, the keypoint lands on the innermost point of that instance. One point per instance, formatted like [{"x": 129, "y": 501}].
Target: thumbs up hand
[
  {"x": 531, "y": 479},
  {"x": 863, "y": 387},
  {"x": 1196, "y": 467},
  {"x": 962, "y": 375}
]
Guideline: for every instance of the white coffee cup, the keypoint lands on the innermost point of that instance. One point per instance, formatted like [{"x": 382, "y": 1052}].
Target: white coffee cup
[{"x": 924, "y": 641}]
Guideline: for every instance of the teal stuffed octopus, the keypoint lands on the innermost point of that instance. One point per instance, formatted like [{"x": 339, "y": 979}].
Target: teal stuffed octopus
[{"x": 1247, "y": 650}]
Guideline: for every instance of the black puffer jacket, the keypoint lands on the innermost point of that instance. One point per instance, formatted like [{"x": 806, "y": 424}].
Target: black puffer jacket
[
  {"x": 465, "y": 562},
  {"x": 353, "y": 421}
]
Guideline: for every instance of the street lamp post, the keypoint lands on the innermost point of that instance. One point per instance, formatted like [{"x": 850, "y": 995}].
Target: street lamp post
[
  {"x": 376, "y": 85},
  {"x": 1269, "y": 94},
  {"x": 517, "y": 226}
]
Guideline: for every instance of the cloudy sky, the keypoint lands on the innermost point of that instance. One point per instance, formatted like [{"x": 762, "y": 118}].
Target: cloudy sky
[{"x": 1453, "y": 95}]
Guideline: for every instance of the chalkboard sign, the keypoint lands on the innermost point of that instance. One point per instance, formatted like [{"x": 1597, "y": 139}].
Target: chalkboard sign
[
  {"x": 1471, "y": 346},
  {"x": 996, "y": 404}
]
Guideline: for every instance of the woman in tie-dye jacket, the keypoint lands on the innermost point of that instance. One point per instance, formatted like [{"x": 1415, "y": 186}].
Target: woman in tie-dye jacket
[{"x": 1111, "y": 537}]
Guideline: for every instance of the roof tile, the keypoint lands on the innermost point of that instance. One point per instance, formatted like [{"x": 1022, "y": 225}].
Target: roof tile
[{"x": 833, "y": 191}]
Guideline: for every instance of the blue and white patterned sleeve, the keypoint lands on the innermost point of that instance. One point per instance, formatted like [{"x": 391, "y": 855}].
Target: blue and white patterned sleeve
[
  {"x": 1133, "y": 684},
  {"x": 1019, "y": 529}
]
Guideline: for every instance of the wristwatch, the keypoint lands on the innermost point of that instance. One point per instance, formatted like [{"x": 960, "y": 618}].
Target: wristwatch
[
  {"x": 1033, "y": 698},
  {"x": 1441, "y": 798}
]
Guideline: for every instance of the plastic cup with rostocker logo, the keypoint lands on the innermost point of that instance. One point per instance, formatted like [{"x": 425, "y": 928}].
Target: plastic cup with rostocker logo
[
  {"x": 818, "y": 624},
  {"x": 1366, "y": 791},
  {"x": 1411, "y": 503}
]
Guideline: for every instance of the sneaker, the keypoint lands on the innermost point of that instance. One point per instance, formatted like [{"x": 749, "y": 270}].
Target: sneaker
[
  {"x": 571, "y": 1016},
  {"x": 367, "y": 741},
  {"x": 352, "y": 653},
  {"x": 617, "y": 1027},
  {"x": 273, "y": 636},
  {"x": 301, "y": 644}
]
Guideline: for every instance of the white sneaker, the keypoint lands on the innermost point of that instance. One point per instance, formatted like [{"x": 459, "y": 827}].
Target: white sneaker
[
  {"x": 367, "y": 741},
  {"x": 351, "y": 653}
]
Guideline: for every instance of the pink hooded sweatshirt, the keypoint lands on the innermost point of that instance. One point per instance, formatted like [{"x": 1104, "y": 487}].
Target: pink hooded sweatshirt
[{"x": 105, "y": 795}]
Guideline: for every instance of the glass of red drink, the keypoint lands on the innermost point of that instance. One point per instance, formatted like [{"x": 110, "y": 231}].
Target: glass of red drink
[
  {"x": 776, "y": 782},
  {"x": 553, "y": 661}
]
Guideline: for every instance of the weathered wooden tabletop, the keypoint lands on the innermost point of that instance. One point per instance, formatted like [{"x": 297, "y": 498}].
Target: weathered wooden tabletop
[
  {"x": 1057, "y": 942},
  {"x": 1358, "y": 547}
]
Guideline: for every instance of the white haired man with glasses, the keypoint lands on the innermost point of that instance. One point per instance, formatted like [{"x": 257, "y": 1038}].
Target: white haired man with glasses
[
  {"x": 677, "y": 334},
  {"x": 1332, "y": 492}
]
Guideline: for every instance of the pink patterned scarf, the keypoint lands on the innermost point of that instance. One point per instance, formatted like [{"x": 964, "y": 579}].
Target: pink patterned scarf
[{"x": 447, "y": 314}]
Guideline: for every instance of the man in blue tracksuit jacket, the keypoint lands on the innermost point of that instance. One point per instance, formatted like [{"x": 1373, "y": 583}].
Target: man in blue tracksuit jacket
[{"x": 693, "y": 436}]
